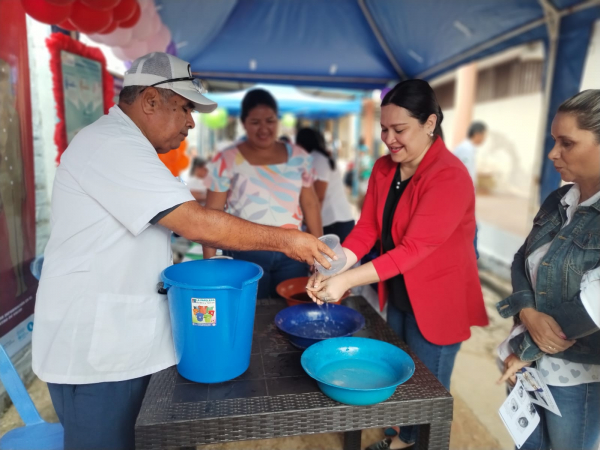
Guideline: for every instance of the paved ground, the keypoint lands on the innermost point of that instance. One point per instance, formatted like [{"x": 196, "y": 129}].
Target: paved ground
[{"x": 476, "y": 423}]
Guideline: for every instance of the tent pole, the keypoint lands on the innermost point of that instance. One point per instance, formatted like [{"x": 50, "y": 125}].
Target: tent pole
[
  {"x": 381, "y": 40},
  {"x": 527, "y": 27},
  {"x": 553, "y": 18}
]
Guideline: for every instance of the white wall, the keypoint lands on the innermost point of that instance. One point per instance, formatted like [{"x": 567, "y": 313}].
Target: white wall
[
  {"x": 509, "y": 151},
  {"x": 591, "y": 73}
]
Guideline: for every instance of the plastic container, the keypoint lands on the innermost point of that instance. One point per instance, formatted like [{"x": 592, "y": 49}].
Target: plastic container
[
  {"x": 212, "y": 305},
  {"x": 305, "y": 325},
  {"x": 294, "y": 292},
  {"x": 357, "y": 371},
  {"x": 333, "y": 242}
]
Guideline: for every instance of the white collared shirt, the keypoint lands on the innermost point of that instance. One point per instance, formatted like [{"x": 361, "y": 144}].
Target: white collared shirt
[{"x": 98, "y": 316}]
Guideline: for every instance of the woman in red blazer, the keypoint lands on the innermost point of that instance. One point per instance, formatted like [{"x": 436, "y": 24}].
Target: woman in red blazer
[{"x": 420, "y": 204}]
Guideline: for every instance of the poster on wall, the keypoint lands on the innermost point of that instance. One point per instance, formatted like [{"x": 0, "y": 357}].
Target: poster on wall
[
  {"x": 17, "y": 190},
  {"x": 83, "y": 96},
  {"x": 82, "y": 86}
]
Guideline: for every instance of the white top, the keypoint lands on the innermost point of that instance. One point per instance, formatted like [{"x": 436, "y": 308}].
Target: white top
[
  {"x": 98, "y": 316},
  {"x": 466, "y": 152},
  {"x": 196, "y": 184},
  {"x": 335, "y": 205},
  {"x": 557, "y": 371}
]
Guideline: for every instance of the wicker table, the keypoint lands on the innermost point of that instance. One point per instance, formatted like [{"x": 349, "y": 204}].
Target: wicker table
[{"x": 275, "y": 398}]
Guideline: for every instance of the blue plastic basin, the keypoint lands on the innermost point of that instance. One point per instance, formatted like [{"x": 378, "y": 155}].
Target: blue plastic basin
[
  {"x": 357, "y": 371},
  {"x": 308, "y": 324}
]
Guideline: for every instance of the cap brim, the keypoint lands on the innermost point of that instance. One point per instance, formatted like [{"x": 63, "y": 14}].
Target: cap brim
[{"x": 201, "y": 103}]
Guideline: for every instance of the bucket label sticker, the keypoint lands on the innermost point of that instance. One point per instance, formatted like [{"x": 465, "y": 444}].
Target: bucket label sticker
[{"x": 204, "y": 312}]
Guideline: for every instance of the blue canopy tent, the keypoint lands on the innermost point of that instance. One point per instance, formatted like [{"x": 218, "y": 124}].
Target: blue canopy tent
[
  {"x": 371, "y": 43},
  {"x": 291, "y": 100}
]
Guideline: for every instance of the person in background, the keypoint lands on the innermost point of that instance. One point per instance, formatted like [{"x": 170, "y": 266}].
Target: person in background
[
  {"x": 336, "y": 213},
  {"x": 420, "y": 204},
  {"x": 556, "y": 286},
  {"x": 101, "y": 327},
  {"x": 268, "y": 182},
  {"x": 195, "y": 182},
  {"x": 285, "y": 139},
  {"x": 466, "y": 151}
]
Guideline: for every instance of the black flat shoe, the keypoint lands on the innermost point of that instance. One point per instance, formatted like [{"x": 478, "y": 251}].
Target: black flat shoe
[{"x": 381, "y": 445}]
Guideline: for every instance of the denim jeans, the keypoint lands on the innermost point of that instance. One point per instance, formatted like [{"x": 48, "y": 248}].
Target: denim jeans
[
  {"x": 100, "y": 415},
  {"x": 579, "y": 426},
  {"x": 276, "y": 266},
  {"x": 437, "y": 358}
]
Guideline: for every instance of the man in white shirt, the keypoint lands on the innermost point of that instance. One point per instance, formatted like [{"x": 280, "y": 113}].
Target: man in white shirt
[
  {"x": 101, "y": 327},
  {"x": 466, "y": 151}
]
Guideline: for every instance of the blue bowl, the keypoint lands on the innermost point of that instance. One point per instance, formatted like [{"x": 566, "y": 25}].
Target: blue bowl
[
  {"x": 357, "y": 371},
  {"x": 308, "y": 324}
]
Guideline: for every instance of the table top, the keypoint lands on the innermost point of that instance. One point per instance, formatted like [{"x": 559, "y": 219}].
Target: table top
[{"x": 276, "y": 398}]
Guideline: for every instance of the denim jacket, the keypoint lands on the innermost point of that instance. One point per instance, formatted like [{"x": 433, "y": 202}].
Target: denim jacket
[{"x": 575, "y": 249}]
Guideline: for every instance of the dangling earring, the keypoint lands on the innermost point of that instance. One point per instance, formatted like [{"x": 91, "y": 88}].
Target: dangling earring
[{"x": 430, "y": 134}]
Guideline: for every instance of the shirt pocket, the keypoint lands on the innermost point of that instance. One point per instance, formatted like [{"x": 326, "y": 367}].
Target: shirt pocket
[
  {"x": 123, "y": 333},
  {"x": 584, "y": 254}
]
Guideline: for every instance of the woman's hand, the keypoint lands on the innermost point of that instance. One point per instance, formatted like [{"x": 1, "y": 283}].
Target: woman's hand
[
  {"x": 512, "y": 365},
  {"x": 545, "y": 332},
  {"x": 327, "y": 289}
]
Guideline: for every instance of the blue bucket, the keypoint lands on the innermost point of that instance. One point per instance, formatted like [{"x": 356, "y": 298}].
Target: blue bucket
[{"x": 212, "y": 305}]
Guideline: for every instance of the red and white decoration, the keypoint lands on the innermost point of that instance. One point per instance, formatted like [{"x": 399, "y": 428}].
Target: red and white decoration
[{"x": 131, "y": 27}]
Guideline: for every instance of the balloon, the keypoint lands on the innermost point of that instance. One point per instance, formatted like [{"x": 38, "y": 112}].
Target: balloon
[
  {"x": 89, "y": 20},
  {"x": 144, "y": 28},
  {"x": 129, "y": 23},
  {"x": 216, "y": 119},
  {"x": 45, "y": 12},
  {"x": 132, "y": 51},
  {"x": 101, "y": 5},
  {"x": 67, "y": 25},
  {"x": 384, "y": 91},
  {"x": 124, "y": 10},
  {"x": 121, "y": 37},
  {"x": 61, "y": 3},
  {"x": 160, "y": 41},
  {"x": 176, "y": 160},
  {"x": 109, "y": 29},
  {"x": 172, "y": 49},
  {"x": 288, "y": 120}
]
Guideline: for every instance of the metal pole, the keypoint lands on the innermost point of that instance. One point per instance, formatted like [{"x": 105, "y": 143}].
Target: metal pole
[{"x": 553, "y": 18}]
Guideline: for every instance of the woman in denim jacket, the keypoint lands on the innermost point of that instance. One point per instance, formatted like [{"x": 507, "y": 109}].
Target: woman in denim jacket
[{"x": 556, "y": 285}]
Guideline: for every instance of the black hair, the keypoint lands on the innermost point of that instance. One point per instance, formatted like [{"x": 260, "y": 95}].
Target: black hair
[
  {"x": 476, "y": 128},
  {"x": 257, "y": 97},
  {"x": 312, "y": 140},
  {"x": 196, "y": 163},
  {"x": 417, "y": 97},
  {"x": 284, "y": 138}
]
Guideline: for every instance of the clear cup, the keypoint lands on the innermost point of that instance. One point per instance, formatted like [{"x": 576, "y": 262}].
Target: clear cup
[{"x": 333, "y": 242}]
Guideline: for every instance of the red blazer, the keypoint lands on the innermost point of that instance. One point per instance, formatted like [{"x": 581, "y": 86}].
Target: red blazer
[{"x": 433, "y": 229}]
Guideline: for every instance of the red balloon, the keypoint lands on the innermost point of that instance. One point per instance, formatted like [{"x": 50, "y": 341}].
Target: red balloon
[
  {"x": 89, "y": 20},
  {"x": 61, "y": 3},
  {"x": 67, "y": 25},
  {"x": 129, "y": 23},
  {"x": 112, "y": 27},
  {"x": 102, "y": 5},
  {"x": 124, "y": 10},
  {"x": 45, "y": 12}
]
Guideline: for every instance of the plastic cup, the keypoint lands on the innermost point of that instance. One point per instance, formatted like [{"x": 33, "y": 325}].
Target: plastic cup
[{"x": 333, "y": 242}]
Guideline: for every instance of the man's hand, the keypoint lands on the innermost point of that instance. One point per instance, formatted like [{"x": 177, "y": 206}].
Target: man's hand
[
  {"x": 512, "y": 365},
  {"x": 545, "y": 332},
  {"x": 307, "y": 248}
]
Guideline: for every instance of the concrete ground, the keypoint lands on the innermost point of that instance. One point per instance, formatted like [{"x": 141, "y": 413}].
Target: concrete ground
[{"x": 476, "y": 422}]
